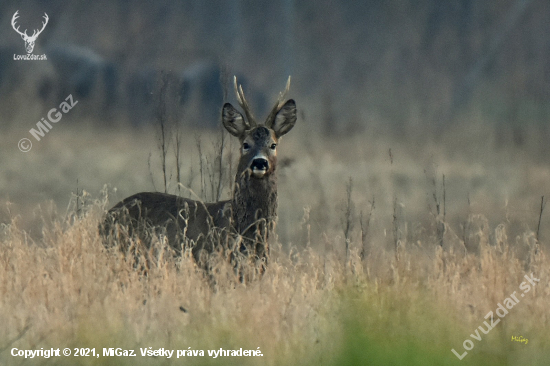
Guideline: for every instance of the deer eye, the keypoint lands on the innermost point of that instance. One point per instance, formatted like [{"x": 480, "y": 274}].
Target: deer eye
[
  {"x": 273, "y": 146},
  {"x": 246, "y": 146}
]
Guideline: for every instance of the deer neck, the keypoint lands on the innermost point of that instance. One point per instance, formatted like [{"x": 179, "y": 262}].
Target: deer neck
[{"x": 254, "y": 205}]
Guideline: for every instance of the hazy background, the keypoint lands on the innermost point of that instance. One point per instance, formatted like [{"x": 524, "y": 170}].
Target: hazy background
[
  {"x": 411, "y": 64},
  {"x": 391, "y": 93}
]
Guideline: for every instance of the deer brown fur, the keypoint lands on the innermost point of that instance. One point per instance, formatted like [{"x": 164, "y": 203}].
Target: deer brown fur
[{"x": 241, "y": 225}]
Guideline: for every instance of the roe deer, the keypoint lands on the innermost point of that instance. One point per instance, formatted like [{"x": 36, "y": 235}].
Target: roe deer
[{"x": 239, "y": 226}]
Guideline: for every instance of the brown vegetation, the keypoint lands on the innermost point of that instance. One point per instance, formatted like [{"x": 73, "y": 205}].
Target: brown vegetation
[{"x": 61, "y": 288}]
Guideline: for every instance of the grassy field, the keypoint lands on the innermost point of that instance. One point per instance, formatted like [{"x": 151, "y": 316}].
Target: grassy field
[{"x": 440, "y": 233}]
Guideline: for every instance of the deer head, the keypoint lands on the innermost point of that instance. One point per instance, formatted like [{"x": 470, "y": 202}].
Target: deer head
[
  {"x": 259, "y": 141},
  {"x": 29, "y": 40}
]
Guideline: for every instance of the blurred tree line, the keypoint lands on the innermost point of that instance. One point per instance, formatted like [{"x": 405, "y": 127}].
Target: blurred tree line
[{"x": 393, "y": 61}]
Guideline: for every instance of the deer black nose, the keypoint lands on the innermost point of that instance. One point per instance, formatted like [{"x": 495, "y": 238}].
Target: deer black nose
[{"x": 259, "y": 164}]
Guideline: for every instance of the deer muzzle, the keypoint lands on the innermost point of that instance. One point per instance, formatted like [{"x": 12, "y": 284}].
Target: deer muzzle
[{"x": 259, "y": 167}]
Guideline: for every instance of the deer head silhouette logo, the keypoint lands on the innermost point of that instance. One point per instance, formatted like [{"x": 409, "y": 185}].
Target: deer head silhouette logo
[{"x": 29, "y": 40}]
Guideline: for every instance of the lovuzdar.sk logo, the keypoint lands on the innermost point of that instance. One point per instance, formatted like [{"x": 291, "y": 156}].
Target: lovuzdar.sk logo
[{"x": 29, "y": 40}]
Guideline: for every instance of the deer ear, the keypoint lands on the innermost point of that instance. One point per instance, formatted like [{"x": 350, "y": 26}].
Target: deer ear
[
  {"x": 233, "y": 121},
  {"x": 285, "y": 118}
]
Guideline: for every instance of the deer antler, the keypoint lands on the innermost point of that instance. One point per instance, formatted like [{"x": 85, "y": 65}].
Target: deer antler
[
  {"x": 280, "y": 101},
  {"x": 13, "y": 19},
  {"x": 35, "y": 34},
  {"x": 24, "y": 34},
  {"x": 244, "y": 104}
]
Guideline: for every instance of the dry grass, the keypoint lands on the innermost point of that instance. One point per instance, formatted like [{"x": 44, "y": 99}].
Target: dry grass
[{"x": 61, "y": 288}]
